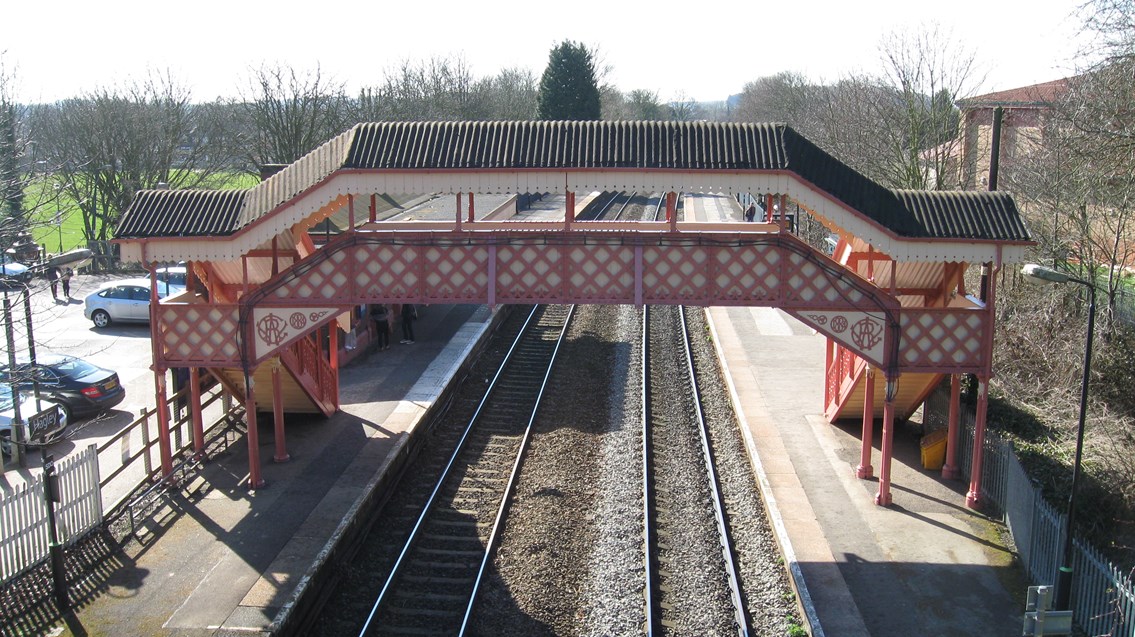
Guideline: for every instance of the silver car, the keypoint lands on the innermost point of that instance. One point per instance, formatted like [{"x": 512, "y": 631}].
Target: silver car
[{"x": 126, "y": 301}]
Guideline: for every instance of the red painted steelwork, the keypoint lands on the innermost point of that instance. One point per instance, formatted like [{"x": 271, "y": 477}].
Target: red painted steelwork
[
  {"x": 950, "y": 470},
  {"x": 195, "y": 412},
  {"x": 865, "y": 470},
  {"x": 278, "y": 414}
]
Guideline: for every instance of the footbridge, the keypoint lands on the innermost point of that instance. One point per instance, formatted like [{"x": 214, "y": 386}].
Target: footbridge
[{"x": 277, "y": 270}]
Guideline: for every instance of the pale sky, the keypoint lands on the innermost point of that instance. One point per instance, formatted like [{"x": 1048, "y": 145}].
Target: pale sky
[{"x": 705, "y": 50}]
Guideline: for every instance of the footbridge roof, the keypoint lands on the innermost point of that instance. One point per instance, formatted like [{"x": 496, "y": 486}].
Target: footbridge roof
[{"x": 578, "y": 156}]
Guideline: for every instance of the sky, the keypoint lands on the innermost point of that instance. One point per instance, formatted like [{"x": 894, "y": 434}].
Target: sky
[{"x": 705, "y": 50}]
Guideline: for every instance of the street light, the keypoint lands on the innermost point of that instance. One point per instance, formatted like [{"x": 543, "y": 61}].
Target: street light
[{"x": 1042, "y": 274}]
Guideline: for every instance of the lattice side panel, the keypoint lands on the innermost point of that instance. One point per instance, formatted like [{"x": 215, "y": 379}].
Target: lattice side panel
[
  {"x": 198, "y": 335},
  {"x": 384, "y": 271},
  {"x": 457, "y": 274},
  {"x": 530, "y": 274},
  {"x": 807, "y": 285},
  {"x": 943, "y": 340},
  {"x": 674, "y": 275},
  {"x": 747, "y": 274},
  {"x": 602, "y": 273},
  {"x": 327, "y": 280}
]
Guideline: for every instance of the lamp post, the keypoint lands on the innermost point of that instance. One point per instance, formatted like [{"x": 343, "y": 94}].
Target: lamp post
[{"x": 1040, "y": 273}]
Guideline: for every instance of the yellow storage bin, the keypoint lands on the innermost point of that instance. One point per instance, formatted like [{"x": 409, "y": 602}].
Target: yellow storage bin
[{"x": 934, "y": 450}]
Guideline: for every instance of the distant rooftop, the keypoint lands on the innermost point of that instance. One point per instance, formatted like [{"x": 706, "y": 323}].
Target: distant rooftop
[{"x": 1036, "y": 95}]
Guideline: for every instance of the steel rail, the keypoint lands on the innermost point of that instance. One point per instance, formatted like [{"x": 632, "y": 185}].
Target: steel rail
[
  {"x": 506, "y": 501},
  {"x": 728, "y": 554},
  {"x": 443, "y": 479}
]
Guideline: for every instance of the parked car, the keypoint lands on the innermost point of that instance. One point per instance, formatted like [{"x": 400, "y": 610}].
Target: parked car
[
  {"x": 174, "y": 275},
  {"x": 81, "y": 387},
  {"x": 13, "y": 271},
  {"x": 126, "y": 301},
  {"x": 46, "y": 420}
]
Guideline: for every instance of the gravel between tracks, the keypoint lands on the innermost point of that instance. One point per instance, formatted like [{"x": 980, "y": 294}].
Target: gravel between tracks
[{"x": 570, "y": 561}]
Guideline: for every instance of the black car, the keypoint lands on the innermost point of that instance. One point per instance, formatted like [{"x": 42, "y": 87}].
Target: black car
[{"x": 82, "y": 388}]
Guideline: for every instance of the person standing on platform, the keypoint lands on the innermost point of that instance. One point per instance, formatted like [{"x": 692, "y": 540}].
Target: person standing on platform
[
  {"x": 381, "y": 326},
  {"x": 751, "y": 212},
  {"x": 65, "y": 278},
  {"x": 53, "y": 276},
  {"x": 408, "y": 316}
]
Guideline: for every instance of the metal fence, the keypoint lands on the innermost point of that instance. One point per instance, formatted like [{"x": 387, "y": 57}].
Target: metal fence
[
  {"x": 24, "y": 537},
  {"x": 1103, "y": 598}
]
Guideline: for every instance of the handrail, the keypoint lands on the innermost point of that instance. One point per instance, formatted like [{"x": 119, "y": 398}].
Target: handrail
[
  {"x": 144, "y": 419},
  {"x": 303, "y": 359}
]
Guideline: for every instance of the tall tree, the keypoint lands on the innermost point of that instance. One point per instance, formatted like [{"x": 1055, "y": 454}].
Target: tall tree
[
  {"x": 785, "y": 97},
  {"x": 105, "y": 146},
  {"x": 445, "y": 89},
  {"x": 287, "y": 113},
  {"x": 11, "y": 180},
  {"x": 569, "y": 88}
]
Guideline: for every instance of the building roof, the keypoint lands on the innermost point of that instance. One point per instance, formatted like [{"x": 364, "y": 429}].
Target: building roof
[
  {"x": 686, "y": 148},
  {"x": 1036, "y": 95}
]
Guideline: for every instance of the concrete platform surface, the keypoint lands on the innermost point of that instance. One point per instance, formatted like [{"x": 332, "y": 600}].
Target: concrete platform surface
[{"x": 926, "y": 565}]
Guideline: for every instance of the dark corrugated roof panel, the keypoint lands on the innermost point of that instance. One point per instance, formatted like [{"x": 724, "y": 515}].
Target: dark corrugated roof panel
[
  {"x": 181, "y": 213},
  {"x": 964, "y": 215},
  {"x": 566, "y": 144}
]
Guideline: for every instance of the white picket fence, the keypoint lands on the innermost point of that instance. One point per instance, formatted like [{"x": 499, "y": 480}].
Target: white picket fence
[{"x": 24, "y": 538}]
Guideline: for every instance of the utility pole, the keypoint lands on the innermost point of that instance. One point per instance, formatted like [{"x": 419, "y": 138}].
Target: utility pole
[
  {"x": 51, "y": 495},
  {"x": 18, "y": 437}
]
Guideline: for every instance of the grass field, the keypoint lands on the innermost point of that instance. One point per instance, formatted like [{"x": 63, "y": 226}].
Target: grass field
[{"x": 57, "y": 223}]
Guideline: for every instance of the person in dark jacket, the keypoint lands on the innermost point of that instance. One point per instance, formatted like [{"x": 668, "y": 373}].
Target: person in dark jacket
[
  {"x": 408, "y": 316},
  {"x": 65, "y": 279},
  {"x": 381, "y": 318},
  {"x": 53, "y": 275}
]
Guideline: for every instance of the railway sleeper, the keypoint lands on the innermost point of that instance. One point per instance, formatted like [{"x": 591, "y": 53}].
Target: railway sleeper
[
  {"x": 408, "y": 630},
  {"x": 452, "y": 552},
  {"x": 459, "y": 524},
  {"x": 444, "y": 567},
  {"x": 437, "y": 580}
]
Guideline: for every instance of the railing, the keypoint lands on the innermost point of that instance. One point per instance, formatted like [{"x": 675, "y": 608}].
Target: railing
[
  {"x": 24, "y": 540},
  {"x": 119, "y": 456},
  {"x": 1103, "y": 597},
  {"x": 845, "y": 366},
  {"x": 311, "y": 370}
]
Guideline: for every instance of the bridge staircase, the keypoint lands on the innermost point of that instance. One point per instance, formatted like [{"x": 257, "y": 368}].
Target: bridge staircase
[
  {"x": 308, "y": 383},
  {"x": 846, "y": 374}
]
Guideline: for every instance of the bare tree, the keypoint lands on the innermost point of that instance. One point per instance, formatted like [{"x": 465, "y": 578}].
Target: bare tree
[
  {"x": 509, "y": 95},
  {"x": 900, "y": 127},
  {"x": 285, "y": 113},
  {"x": 441, "y": 89},
  {"x": 104, "y": 147},
  {"x": 684, "y": 108},
  {"x": 785, "y": 97}
]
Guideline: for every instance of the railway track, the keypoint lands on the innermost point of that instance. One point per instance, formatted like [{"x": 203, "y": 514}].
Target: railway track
[
  {"x": 433, "y": 584},
  {"x": 691, "y": 571},
  {"x": 570, "y": 560}
]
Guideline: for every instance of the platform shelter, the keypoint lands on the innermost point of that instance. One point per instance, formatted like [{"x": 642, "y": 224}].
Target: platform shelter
[{"x": 277, "y": 270}]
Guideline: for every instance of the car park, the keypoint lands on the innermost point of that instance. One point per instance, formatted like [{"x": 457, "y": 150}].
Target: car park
[
  {"x": 45, "y": 420},
  {"x": 80, "y": 387},
  {"x": 125, "y": 301},
  {"x": 175, "y": 276},
  {"x": 13, "y": 272}
]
